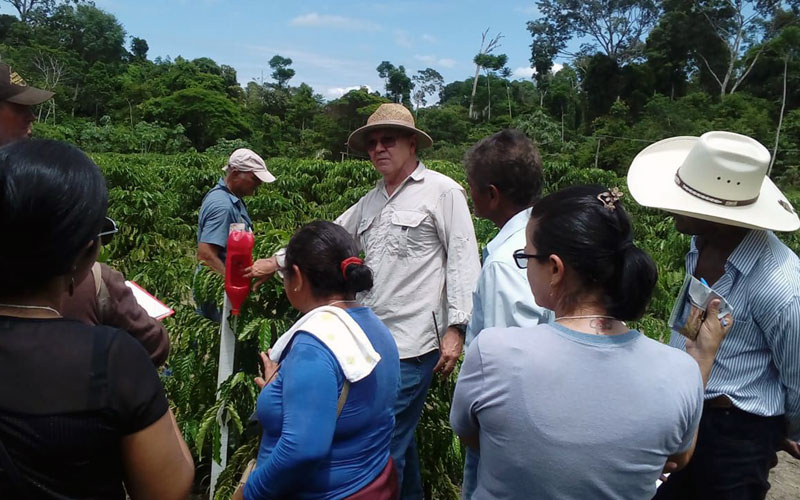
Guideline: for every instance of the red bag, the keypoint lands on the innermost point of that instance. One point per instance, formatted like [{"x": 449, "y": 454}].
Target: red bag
[{"x": 383, "y": 487}]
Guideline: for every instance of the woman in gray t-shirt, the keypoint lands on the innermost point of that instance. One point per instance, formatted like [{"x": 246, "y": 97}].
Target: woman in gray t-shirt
[{"x": 584, "y": 407}]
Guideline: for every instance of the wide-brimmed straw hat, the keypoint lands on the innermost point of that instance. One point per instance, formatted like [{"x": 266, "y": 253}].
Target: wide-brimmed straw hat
[
  {"x": 388, "y": 115},
  {"x": 719, "y": 177}
]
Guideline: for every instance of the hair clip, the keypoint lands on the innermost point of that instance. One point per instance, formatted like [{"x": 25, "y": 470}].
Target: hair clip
[{"x": 609, "y": 198}]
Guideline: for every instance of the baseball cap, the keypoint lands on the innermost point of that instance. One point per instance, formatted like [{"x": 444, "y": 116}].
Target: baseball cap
[
  {"x": 245, "y": 160},
  {"x": 14, "y": 89}
]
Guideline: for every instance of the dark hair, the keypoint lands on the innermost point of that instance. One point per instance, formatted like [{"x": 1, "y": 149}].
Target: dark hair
[
  {"x": 318, "y": 249},
  {"x": 509, "y": 161},
  {"x": 596, "y": 243},
  {"x": 53, "y": 202}
]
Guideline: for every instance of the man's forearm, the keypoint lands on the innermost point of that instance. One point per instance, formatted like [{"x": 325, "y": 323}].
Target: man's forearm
[{"x": 214, "y": 262}]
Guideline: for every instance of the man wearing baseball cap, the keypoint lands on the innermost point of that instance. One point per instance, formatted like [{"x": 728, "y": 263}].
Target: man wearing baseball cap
[
  {"x": 222, "y": 206},
  {"x": 717, "y": 189},
  {"x": 16, "y": 101}
]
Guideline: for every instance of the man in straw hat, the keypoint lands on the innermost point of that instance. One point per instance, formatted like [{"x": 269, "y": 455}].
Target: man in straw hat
[
  {"x": 224, "y": 205},
  {"x": 417, "y": 235},
  {"x": 718, "y": 192},
  {"x": 17, "y": 99}
]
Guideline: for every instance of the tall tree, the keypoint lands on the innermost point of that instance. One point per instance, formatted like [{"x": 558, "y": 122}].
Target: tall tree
[
  {"x": 397, "y": 83},
  {"x": 427, "y": 82},
  {"x": 281, "y": 72},
  {"x": 742, "y": 27},
  {"x": 614, "y": 27},
  {"x": 139, "y": 48},
  {"x": 490, "y": 63},
  {"x": 25, "y": 7},
  {"x": 486, "y": 49}
]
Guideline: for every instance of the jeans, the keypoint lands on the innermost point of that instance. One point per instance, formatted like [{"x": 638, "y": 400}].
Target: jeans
[
  {"x": 415, "y": 379},
  {"x": 732, "y": 458},
  {"x": 470, "y": 481}
]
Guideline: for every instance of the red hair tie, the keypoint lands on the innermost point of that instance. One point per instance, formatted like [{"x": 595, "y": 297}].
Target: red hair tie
[{"x": 350, "y": 260}]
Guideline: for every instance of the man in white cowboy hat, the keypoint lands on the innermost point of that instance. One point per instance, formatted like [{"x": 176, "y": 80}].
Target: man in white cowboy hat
[
  {"x": 224, "y": 205},
  {"x": 17, "y": 99},
  {"x": 717, "y": 190},
  {"x": 417, "y": 235}
]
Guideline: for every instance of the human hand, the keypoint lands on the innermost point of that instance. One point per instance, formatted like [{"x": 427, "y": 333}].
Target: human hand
[
  {"x": 711, "y": 333},
  {"x": 669, "y": 468},
  {"x": 791, "y": 447},
  {"x": 262, "y": 270},
  {"x": 270, "y": 369},
  {"x": 450, "y": 350}
]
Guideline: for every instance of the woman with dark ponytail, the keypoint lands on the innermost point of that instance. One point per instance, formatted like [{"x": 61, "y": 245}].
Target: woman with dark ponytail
[
  {"x": 330, "y": 382},
  {"x": 584, "y": 407}
]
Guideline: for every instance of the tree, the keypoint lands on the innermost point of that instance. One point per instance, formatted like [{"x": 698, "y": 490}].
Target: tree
[
  {"x": 615, "y": 28},
  {"x": 787, "y": 44},
  {"x": 490, "y": 63},
  {"x": 741, "y": 27},
  {"x": 303, "y": 106},
  {"x": 485, "y": 50},
  {"x": 139, "y": 49},
  {"x": 281, "y": 72},
  {"x": 398, "y": 85},
  {"x": 427, "y": 82},
  {"x": 25, "y": 7}
]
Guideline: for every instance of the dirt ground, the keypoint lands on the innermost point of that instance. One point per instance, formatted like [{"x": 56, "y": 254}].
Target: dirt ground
[{"x": 785, "y": 479}]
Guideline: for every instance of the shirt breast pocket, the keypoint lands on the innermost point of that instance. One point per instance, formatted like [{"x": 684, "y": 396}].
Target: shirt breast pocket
[
  {"x": 361, "y": 230},
  {"x": 409, "y": 233}
]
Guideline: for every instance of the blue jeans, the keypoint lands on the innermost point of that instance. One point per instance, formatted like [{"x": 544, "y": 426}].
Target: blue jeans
[
  {"x": 415, "y": 379},
  {"x": 470, "y": 481}
]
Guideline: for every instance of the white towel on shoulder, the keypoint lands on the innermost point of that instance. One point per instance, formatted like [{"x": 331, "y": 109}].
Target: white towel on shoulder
[{"x": 341, "y": 334}]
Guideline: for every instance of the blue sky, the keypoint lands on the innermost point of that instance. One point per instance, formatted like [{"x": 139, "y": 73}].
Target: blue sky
[{"x": 333, "y": 46}]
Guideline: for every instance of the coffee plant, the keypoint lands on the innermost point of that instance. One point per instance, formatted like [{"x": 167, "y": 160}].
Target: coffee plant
[{"x": 156, "y": 199}]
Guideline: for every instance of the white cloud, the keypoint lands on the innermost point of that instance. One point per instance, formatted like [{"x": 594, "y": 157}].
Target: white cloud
[
  {"x": 530, "y": 10},
  {"x": 336, "y": 92},
  {"x": 315, "y": 19},
  {"x": 524, "y": 72},
  {"x": 428, "y": 38},
  {"x": 444, "y": 62},
  {"x": 403, "y": 39}
]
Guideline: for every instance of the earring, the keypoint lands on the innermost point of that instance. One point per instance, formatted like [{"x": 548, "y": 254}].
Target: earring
[{"x": 296, "y": 289}]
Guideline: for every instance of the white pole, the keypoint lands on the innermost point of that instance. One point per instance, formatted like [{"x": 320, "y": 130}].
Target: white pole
[{"x": 227, "y": 345}]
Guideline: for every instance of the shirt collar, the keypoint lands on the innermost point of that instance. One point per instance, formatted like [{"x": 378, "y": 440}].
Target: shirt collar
[
  {"x": 221, "y": 184},
  {"x": 417, "y": 175},
  {"x": 509, "y": 229},
  {"x": 746, "y": 253}
]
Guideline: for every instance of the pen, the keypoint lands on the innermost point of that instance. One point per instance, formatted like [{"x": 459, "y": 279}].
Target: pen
[{"x": 703, "y": 281}]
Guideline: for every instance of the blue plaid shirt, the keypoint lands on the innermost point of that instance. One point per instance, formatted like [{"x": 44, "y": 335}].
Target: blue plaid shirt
[{"x": 758, "y": 363}]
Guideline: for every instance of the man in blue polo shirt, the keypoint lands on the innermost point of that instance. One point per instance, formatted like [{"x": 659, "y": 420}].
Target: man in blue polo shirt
[{"x": 222, "y": 206}]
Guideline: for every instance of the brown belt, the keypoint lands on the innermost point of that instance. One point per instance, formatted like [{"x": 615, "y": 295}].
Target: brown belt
[{"x": 723, "y": 402}]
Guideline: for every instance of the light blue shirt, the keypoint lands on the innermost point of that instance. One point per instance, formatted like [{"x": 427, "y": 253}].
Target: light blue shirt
[
  {"x": 569, "y": 415},
  {"x": 503, "y": 295},
  {"x": 758, "y": 364},
  {"x": 220, "y": 209}
]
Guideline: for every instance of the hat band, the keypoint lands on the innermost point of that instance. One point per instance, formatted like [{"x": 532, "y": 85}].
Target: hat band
[{"x": 707, "y": 197}]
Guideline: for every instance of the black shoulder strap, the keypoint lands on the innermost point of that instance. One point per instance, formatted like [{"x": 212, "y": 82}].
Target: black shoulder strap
[{"x": 18, "y": 483}]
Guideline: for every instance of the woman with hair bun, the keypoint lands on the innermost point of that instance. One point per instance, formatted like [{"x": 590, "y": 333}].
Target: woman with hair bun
[
  {"x": 330, "y": 382},
  {"x": 584, "y": 407}
]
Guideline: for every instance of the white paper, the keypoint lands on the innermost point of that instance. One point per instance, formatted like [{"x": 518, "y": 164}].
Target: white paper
[{"x": 154, "y": 307}]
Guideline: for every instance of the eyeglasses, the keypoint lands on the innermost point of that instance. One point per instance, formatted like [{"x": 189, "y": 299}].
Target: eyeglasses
[
  {"x": 388, "y": 141},
  {"x": 108, "y": 231},
  {"x": 521, "y": 258}
]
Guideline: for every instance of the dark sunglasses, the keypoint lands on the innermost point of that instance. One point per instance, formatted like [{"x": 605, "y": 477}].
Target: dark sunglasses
[
  {"x": 388, "y": 141},
  {"x": 521, "y": 258},
  {"x": 108, "y": 231}
]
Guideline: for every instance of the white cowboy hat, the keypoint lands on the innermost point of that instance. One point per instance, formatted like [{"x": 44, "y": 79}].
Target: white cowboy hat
[
  {"x": 389, "y": 115},
  {"x": 719, "y": 177}
]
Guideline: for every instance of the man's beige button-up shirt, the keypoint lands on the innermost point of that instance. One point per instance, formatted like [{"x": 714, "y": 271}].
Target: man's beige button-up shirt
[{"x": 420, "y": 244}]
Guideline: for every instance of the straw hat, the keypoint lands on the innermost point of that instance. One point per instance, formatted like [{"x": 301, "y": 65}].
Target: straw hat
[
  {"x": 719, "y": 177},
  {"x": 388, "y": 116}
]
